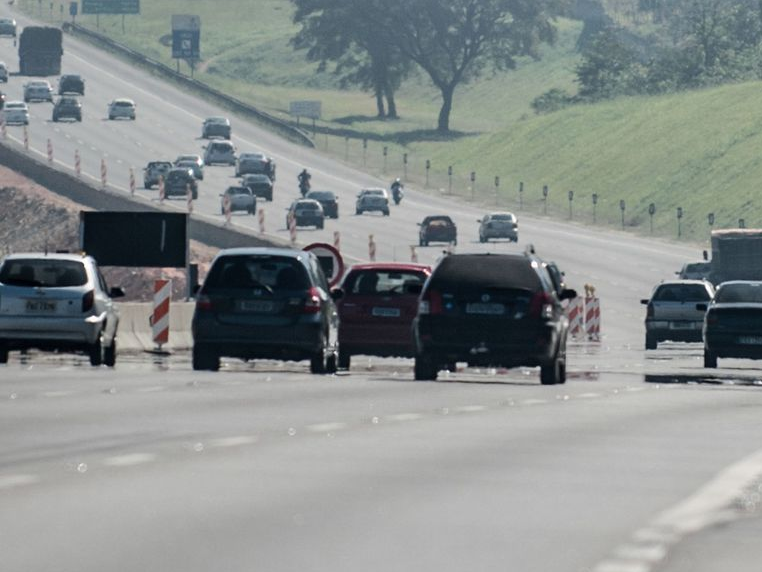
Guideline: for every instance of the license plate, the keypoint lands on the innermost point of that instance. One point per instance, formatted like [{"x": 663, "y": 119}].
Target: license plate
[
  {"x": 257, "y": 306},
  {"x": 386, "y": 312},
  {"x": 682, "y": 325},
  {"x": 40, "y": 306},
  {"x": 482, "y": 308},
  {"x": 750, "y": 340}
]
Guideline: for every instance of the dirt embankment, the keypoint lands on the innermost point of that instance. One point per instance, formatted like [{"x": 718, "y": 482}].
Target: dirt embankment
[{"x": 33, "y": 219}]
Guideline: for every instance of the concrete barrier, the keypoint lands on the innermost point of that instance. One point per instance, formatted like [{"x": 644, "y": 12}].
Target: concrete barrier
[{"x": 134, "y": 334}]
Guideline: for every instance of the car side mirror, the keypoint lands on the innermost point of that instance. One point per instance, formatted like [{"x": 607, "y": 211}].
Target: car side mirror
[
  {"x": 644, "y": 301},
  {"x": 414, "y": 289},
  {"x": 116, "y": 292},
  {"x": 702, "y": 307},
  {"x": 568, "y": 294}
]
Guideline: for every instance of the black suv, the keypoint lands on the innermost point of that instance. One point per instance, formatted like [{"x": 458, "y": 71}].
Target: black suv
[
  {"x": 265, "y": 303},
  {"x": 71, "y": 84},
  {"x": 67, "y": 108},
  {"x": 177, "y": 181},
  {"x": 501, "y": 310},
  {"x": 437, "y": 228}
]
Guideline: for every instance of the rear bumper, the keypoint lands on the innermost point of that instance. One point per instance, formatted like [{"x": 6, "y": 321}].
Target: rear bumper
[
  {"x": 19, "y": 331},
  {"x": 664, "y": 330},
  {"x": 729, "y": 345}
]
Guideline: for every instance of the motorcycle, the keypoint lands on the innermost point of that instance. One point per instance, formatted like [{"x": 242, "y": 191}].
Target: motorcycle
[
  {"x": 397, "y": 194},
  {"x": 304, "y": 187}
]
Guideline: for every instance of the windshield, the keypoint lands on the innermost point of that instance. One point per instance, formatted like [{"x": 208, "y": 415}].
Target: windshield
[
  {"x": 43, "y": 273},
  {"x": 739, "y": 293}
]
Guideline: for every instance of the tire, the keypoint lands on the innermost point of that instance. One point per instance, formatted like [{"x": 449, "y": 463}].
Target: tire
[
  {"x": 553, "y": 372},
  {"x": 3, "y": 353},
  {"x": 320, "y": 225},
  {"x": 109, "y": 354},
  {"x": 110, "y": 117},
  {"x": 95, "y": 352},
  {"x": 331, "y": 365},
  {"x": 358, "y": 212},
  {"x": 204, "y": 359},
  {"x": 710, "y": 359},
  {"x": 345, "y": 359},
  {"x": 55, "y": 119},
  {"x": 386, "y": 212},
  {"x": 482, "y": 239},
  {"x": 317, "y": 363},
  {"x": 651, "y": 342},
  {"x": 425, "y": 368},
  {"x": 420, "y": 242}
]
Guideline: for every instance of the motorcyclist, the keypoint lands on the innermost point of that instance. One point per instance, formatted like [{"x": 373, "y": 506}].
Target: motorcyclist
[
  {"x": 304, "y": 181},
  {"x": 397, "y": 191}
]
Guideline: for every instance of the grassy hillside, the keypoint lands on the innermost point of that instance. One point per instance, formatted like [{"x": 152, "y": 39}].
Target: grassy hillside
[{"x": 694, "y": 150}]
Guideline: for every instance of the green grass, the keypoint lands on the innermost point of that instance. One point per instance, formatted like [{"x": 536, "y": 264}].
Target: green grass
[{"x": 696, "y": 150}]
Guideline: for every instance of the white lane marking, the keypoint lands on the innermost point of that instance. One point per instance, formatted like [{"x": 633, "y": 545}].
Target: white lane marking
[
  {"x": 58, "y": 393},
  {"x": 635, "y": 389},
  {"x": 405, "y": 417},
  {"x": 11, "y": 481},
  {"x": 129, "y": 460},
  {"x": 641, "y": 553},
  {"x": 469, "y": 408},
  {"x": 326, "y": 427},
  {"x": 150, "y": 389},
  {"x": 238, "y": 441},
  {"x": 534, "y": 401},
  {"x": 621, "y": 566},
  {"x": 588, "y": 395}
]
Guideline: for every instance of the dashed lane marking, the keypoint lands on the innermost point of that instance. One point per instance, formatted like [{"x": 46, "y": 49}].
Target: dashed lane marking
[
  {"x": 326, "y": 427},
  {"x": 129, "y": 460},
  {"x": 12, "y": 481},
  {"x": 405, "y": 417},
  {"x": 238, "y": 441}
]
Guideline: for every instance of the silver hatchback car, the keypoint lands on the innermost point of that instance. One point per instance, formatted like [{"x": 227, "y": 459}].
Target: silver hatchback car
[
  {"x": 672, "y": 314},
  {"x": 498, "y": 225},
  {"x": 57, "y": 302}
]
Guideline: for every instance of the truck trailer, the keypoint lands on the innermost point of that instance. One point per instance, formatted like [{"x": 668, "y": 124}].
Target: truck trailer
[
  {"x": 736, "y": 255},
  {"x": 40, "y": 51}
]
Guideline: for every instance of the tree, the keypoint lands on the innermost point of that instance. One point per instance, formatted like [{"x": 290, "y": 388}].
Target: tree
[
  {"x": 605, "y": 68},
  {"x": 454, "y": 41},
  {"x": 340, "y": 31}
]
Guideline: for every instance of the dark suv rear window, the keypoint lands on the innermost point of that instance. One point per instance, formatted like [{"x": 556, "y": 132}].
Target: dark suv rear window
[
  {"x": 464, "y": 272},
  {"x": 257, "y": 271},
  {"x": 43, "y": 272},
  {"x": 681, "y": 293}
]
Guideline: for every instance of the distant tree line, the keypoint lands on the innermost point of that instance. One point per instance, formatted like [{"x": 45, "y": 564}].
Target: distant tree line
[
  {"x": 377, "y": 44},
  {"x": 695, "y": 43}
]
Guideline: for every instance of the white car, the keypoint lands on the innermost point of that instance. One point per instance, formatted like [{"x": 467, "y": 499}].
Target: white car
[
  {"x": 38, "y": 90},
  {"x": 121, "y": 107},
  {"x": 220, "y": 152},
  {"x": 16, "y": 113},
  {"x": 57, "y": 302},
  {"x": 3, "y": 72}
]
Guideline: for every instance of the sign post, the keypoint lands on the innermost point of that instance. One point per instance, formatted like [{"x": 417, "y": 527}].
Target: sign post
[{"x": 186, "y": 38}]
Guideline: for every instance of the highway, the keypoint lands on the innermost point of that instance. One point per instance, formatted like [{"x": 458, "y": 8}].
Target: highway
[{"x": 154, "y": 467}]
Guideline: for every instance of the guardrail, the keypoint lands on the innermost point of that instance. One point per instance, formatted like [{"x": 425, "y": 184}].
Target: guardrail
[{"x": 236, "y": 105}]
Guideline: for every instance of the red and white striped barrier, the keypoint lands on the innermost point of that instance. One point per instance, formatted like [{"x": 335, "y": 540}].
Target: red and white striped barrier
[
  {"x": 162, "y": 190},
  {"x": 261, "y": 218},
  {"x": 104, "y": 172},
  {"x": 50, "y": 151},
  {"x": 226, "y": 212},
  {"x": 292, "y": 228},
  {"x": 162, "y": 289},
  {"x": 413, "y": 254},
  {"x": 371, "y": 248},
  {"x": 132, "y": 181},
  {"x": 77, "y": 163},
  {"x": 337, "y": 240},
  {"x": 593, "y": 318},
  {"x": 26, "y": 138},
  {"x": 189, "y": 198},
  {"x": 576, "y": 311}
]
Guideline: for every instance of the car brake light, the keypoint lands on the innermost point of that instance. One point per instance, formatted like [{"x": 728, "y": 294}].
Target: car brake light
[
  {"x": 431, "y": 303},
  {"x": 313, "y": 303},
  {"x": 541, "y": 305},
  {"x": 203, "y": 303},
  {"x": 88, "y": 300}
]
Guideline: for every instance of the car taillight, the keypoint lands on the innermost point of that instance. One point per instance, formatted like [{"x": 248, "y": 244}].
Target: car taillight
[
  {"x": 541, "y": 305},
  {"x": 313, "y": 302},
  {"x": 203, "y": 303},
  {"x": 430, "y": 303},
  {"x": 650, "y": 311},
  {"x": 88, "y": 300}
]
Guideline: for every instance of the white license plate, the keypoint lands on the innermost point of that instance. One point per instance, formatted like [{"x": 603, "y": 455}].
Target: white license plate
[
  {"x": 40, "y": 306},
  {"x": 483, "y": 308},
  {"x": 681, "y": 325},
  {"x": 257, "y": 306},
  {"x": 386, "y": 312},
  {"x": 750, "y": 340}
]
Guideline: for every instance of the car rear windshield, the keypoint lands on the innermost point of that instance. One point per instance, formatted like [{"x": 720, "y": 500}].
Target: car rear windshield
[
  {"x": 307, "y": 206},
  {"x": 739, "y": 293},
  {"x": 123, "y": 104},
  {"x": 248, "y": 272},
  {"x": 383, "y": 282},
  {"x": 505, "y": 217},
  {"x": 43, "y": 272},
  {"x": 239, "y": 191},
  {"x": 484, "y": 271},
  {"x": 681, "y": 293}
]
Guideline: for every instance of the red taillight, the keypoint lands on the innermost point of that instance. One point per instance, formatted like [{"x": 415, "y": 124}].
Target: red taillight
[
  {"x": 203, "y": 303},
  {"x": 541, "y": 305},
  {"x": 431, "y": 303},
  {"x": 313, "y": 303},
  {"x": 88, "y": 300}
]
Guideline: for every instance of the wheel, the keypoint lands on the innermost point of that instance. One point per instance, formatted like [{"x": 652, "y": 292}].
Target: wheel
[
  {"x": 195, "y": 195},
  {"x": 425, "y": 368},
  {"x": 452, "y": 367},
  {"x": 111, "y": 117},
  {"x": 317, "y": 363},
  {"x": 204, "y": 359},
  {"x": 3, "y": 353},
  {"x": 358, "y": 212},
  {"x": 320, "y": 225},
  {"x": 55, "y": 119},
  {"x": 344, "y": 359},
  {"x": 552, "y": 372},
  {"x": 651, "y": 342},
  {"x": 710, "y": 359},
  {"x": 482, "y": 239},
  {"x": 455, "y": 242},
  {"x": 330, "y": 364},
  {"x": 109, "y": 354},
  {"x": 95, "y": 352},
  {"x": 252, "y": 211},
  {"x": 386, "y": 212},
  {"x": 270, "y": 197},
  {"x": 420, "y": 242}
]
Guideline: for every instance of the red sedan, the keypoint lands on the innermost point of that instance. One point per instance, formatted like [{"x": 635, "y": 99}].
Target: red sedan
[{"x": 376, "y": 309}]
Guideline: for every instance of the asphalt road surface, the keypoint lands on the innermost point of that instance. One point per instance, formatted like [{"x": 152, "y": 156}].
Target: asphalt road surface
[{"x": 153, "y": 467}]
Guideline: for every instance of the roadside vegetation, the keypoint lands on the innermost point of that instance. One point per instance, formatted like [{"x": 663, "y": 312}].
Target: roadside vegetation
[{"x": 592, "y": 111}]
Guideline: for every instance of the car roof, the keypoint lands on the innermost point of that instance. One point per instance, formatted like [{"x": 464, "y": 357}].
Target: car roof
[
  {"x": 305, "y": 201},
  {"x": 238, "y": 189},
  {"x": 319, "y": 192},
  {"x": 71, "y": 76},
  {"x": 217, "y": 119},
  {"x": 390, "y": 266},
  {"x": 15, "y": 104},
  {"x": 48, "y": 256},
  {"x": 250, "y": 155},
  {"x": 256, "y": 176},
  {"x": 262, "y": 251},
  {"x": 681, "y": 281},
  {"x": 373, "y": 190},
  {"x": 123, "y": 100},
  {"x": 437, "y": 217},
  {"x": 188, "y": 157}
]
